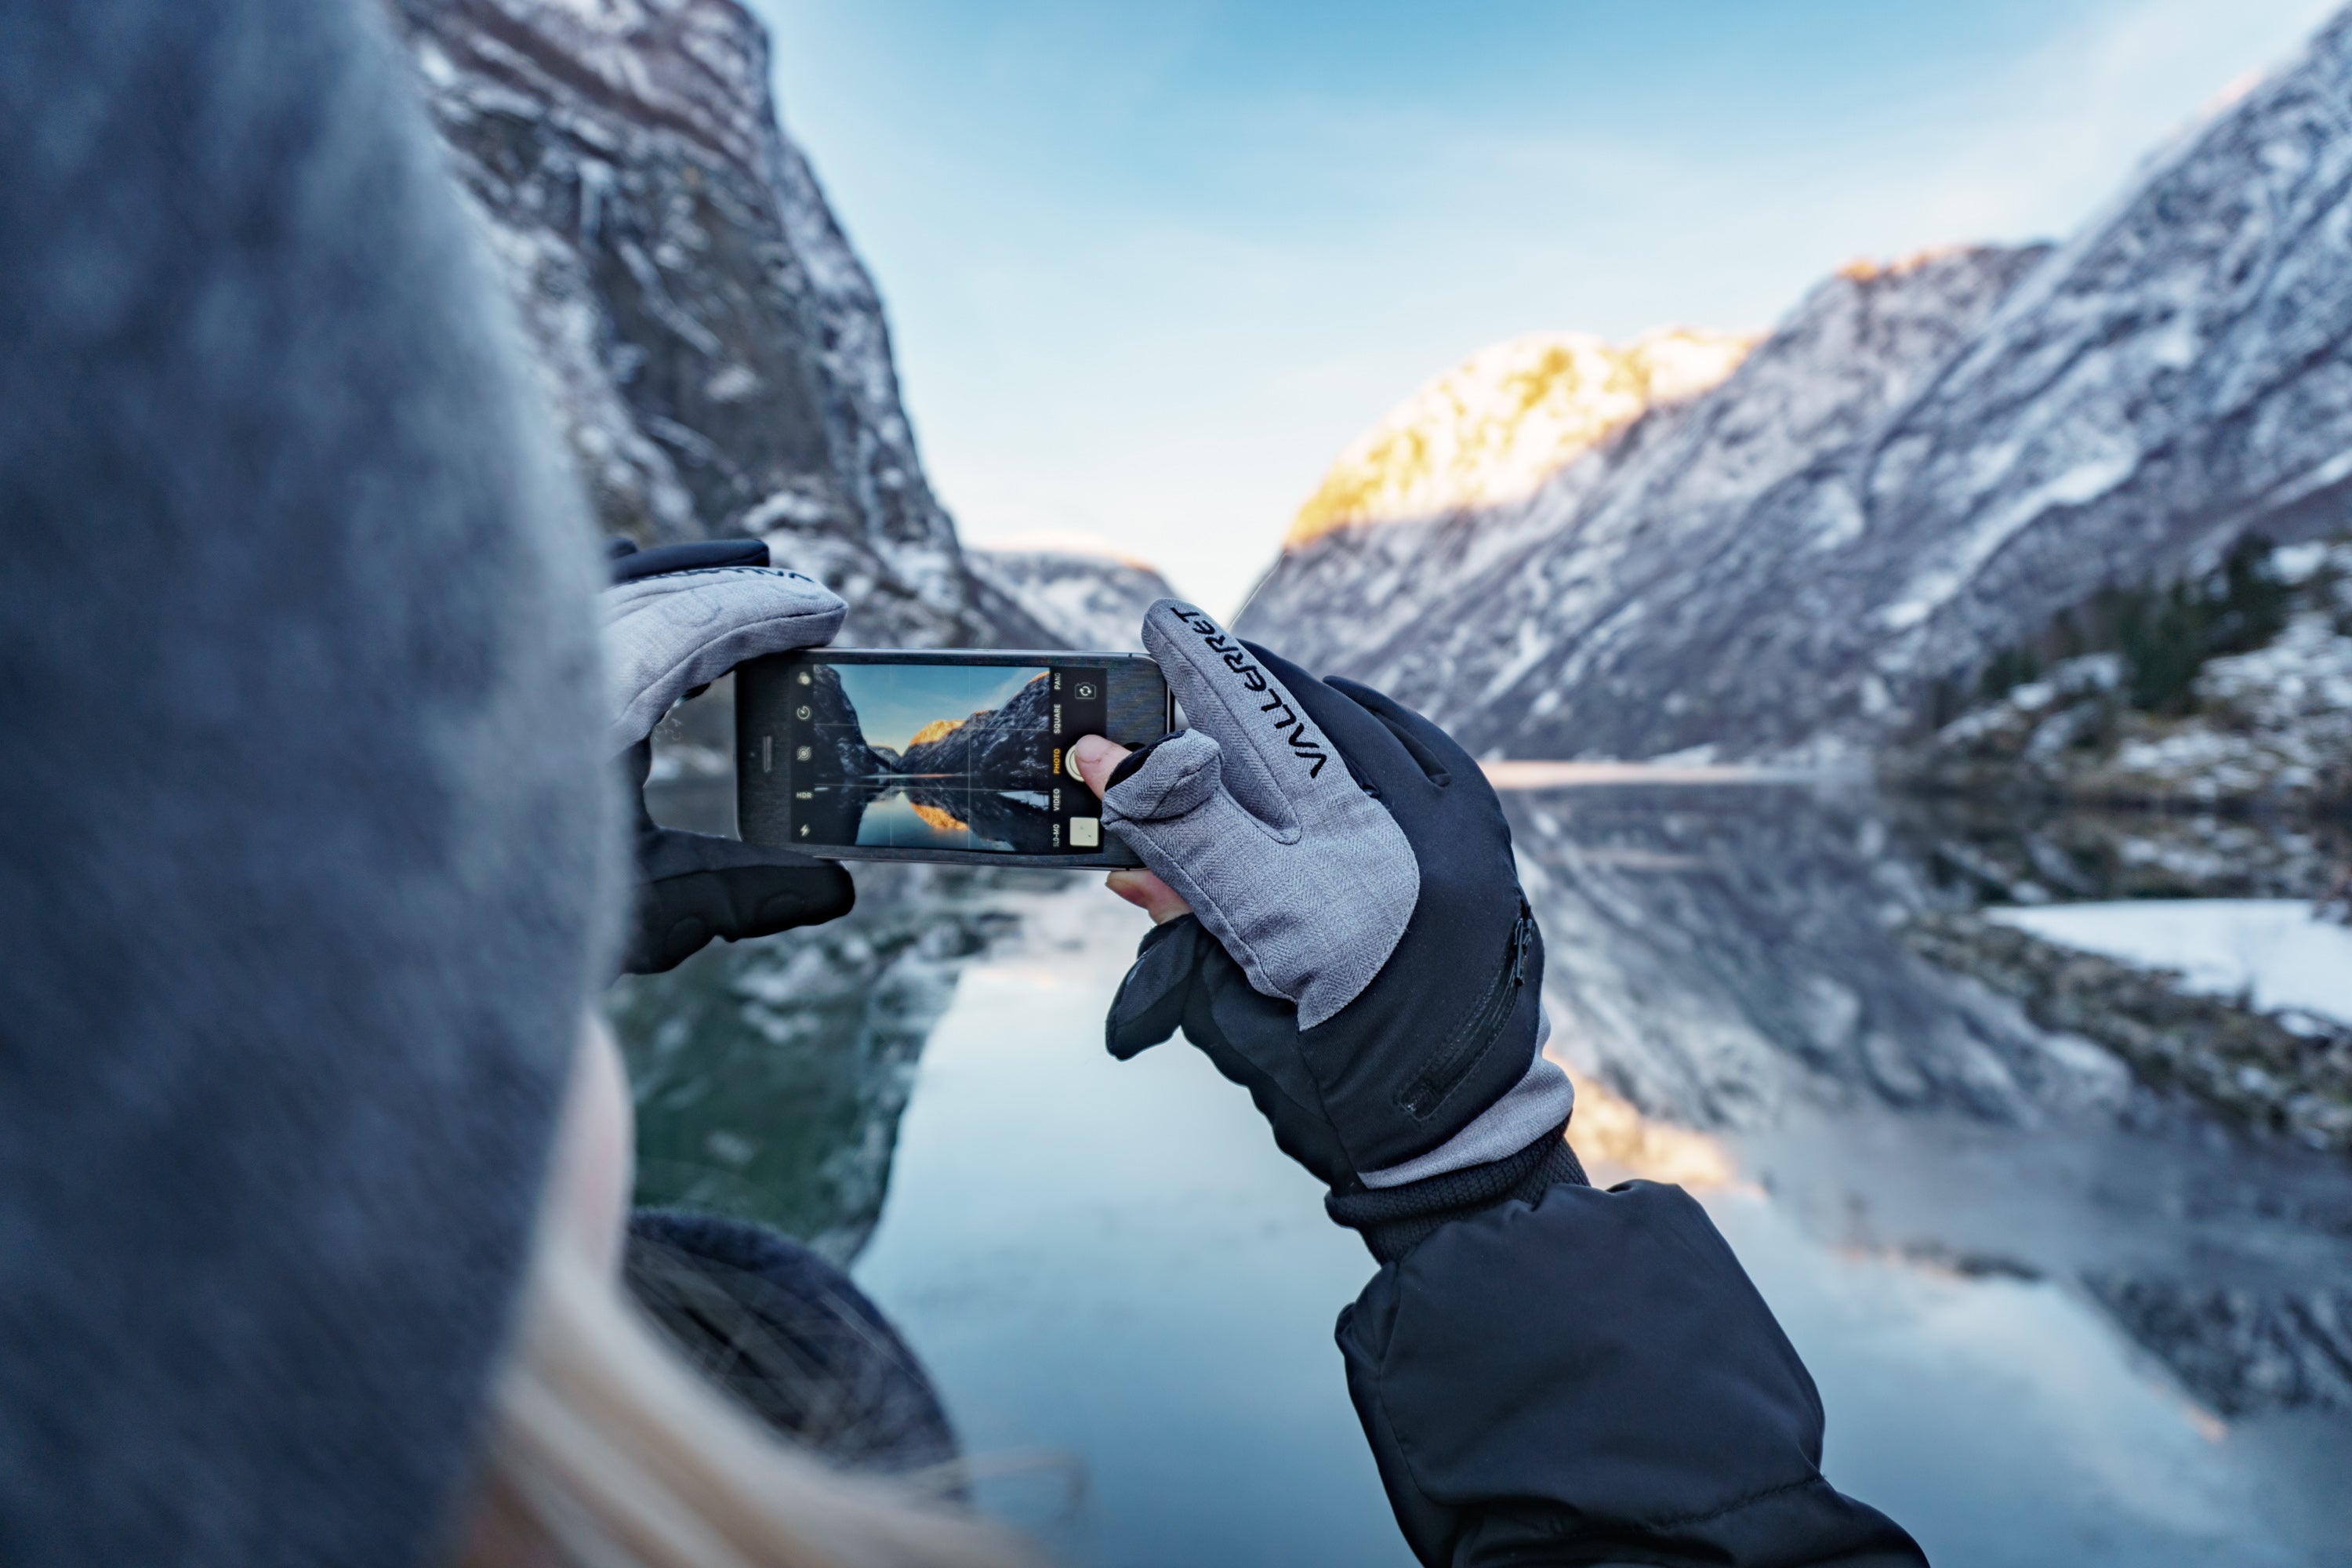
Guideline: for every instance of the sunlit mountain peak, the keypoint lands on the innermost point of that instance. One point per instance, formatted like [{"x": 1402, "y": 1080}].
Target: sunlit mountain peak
[
  {"x": 1495, "y": 426},
  {"x": 1867, "y": 268},
  {"x": 938, "y": 729}
]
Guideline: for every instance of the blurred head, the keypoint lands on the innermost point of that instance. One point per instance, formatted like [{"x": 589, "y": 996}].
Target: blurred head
[
  {"x": 309, "y": 862},
  {"x": 309, "y": 854}
]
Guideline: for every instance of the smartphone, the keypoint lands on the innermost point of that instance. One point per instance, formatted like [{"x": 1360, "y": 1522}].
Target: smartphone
[{"x": 936, "y": 755}]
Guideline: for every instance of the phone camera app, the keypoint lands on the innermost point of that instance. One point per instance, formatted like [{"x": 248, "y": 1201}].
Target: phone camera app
[{"x": 911, "y": 756}]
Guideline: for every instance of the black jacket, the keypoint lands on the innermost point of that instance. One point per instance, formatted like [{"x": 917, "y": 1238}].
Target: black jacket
[{"x": 1589, "y": 1378}]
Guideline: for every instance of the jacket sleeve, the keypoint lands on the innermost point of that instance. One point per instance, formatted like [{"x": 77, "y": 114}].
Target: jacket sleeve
[{"x": 1590, "y": 1378}]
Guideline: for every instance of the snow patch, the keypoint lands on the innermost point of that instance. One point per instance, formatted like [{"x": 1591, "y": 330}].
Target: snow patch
[{"x": 2274, "y": 951}]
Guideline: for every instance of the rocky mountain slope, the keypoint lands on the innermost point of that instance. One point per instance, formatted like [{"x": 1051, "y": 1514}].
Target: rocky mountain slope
[
  {"x": 2267, "y": 726},
  {"x": 716, "y": 354},
  {"x": 1921, "y": 466},
  {"x": 1493, "y": 429},
  {"x": 1083, "y": 599},
  {"x": 1491, "y": 456},
  {"x": 841, "y": 754}
]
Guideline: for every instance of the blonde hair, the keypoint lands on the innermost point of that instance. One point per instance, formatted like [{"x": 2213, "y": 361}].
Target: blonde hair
[{"x": 606, "y": 1450}]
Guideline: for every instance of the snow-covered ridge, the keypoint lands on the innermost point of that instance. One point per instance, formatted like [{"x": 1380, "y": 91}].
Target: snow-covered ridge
[
  {"x": 1479, "y": 617},
  {"x": 1924, "y": 464}
]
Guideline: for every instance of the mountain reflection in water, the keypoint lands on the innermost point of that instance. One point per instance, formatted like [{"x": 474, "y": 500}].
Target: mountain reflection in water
[
  {"x": 2056, "y": 1315},
  {"x": 939, "y": 820}
]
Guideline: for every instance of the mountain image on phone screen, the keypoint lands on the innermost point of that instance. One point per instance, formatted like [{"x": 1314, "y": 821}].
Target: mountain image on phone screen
[{"x": 932, "y": 756}]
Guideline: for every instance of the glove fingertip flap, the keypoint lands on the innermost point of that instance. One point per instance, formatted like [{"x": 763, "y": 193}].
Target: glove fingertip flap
[
  {"x": 1176, "y": 773},
  {"x": 1132, "y": 764}
]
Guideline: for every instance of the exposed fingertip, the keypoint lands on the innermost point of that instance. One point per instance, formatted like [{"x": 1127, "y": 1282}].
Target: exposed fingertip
[{"x": 1094, "y": 758}]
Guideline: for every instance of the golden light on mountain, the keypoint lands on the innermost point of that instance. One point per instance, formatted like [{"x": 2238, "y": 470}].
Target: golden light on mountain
[
  {"x": 940, "y": 819},
  {"x": 938, "y": 729},
  {"x": 1865, "y": 269},
  {"x": 1494, "y": 428}
]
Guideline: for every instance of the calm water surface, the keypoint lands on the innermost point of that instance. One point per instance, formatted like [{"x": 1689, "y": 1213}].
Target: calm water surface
[{"x": 2055, "y": 1318}]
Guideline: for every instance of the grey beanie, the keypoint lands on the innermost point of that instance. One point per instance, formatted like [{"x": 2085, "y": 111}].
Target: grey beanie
[{"x": 306, "y": 849}]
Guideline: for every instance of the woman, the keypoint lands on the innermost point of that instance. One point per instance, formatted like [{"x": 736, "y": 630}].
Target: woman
[{"x": 313, "y": 1160}]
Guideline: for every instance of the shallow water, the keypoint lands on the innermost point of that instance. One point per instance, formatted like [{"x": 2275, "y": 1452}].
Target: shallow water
[{"x": 2054, "y": 1316}]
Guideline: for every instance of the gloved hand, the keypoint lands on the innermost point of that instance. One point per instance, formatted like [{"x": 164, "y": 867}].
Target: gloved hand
[
  {"x": 676, "y": 618},
  {"x": 1357, "y": 953}
]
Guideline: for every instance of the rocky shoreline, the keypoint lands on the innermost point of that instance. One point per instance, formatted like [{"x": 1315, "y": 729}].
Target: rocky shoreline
[
  {"x": 2232, "y": 694},
  {"x": 2295, "y": 1081}
]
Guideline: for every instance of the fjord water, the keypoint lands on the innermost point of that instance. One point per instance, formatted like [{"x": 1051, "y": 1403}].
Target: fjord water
[{"x": 2054, "y": 1316}]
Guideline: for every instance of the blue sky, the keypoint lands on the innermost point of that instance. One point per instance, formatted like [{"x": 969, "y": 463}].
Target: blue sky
[{"x": 1149, "y": 267}]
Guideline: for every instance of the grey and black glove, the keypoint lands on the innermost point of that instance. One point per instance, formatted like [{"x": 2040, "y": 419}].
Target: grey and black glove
[
  {"x": 1360, "y": 955},
  {"x": 676, "y": 618}
]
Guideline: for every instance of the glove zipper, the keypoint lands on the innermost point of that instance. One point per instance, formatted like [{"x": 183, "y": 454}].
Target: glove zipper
[{"x": 1443, "y": 1073}]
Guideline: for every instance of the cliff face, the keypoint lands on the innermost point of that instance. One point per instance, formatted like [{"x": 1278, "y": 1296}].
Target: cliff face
[
  {"x": 843, "y": 754},
  {"x": 1922, "y": 465},
  {"x": 716, "y": 354}
]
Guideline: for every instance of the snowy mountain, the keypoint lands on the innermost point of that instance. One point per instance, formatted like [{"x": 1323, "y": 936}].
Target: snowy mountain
[
  {"x": 1083, "y": 598},
  {"x": 1924, "y": 464},
  {"x": 1463, "y": 474},
  {"x": 1490, "y": 431},
  {"x": 715, "y": 353}
]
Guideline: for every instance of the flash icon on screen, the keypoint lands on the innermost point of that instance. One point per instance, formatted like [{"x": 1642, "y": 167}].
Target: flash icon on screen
[{"x": 1085, "y": 833}]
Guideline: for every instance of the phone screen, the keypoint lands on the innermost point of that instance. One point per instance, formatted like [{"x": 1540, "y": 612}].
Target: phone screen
[{"x": 904, "y": 755}]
